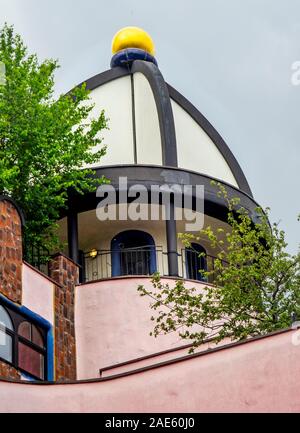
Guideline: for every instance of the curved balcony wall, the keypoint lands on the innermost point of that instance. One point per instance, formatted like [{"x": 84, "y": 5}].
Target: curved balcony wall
[{"x": 107, "y": 336}]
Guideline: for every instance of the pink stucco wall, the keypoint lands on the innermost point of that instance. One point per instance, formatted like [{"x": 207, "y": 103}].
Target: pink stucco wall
[
  {"x": 159, "y": 357},
  {"x": 113, "y": 323},
  {"x": 259, "y": 376},
  {"x": 37, "y": 293}
]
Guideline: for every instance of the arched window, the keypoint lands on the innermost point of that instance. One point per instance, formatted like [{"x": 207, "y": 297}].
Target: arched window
[
  {"x": 31, "y": 349},
  {"x": 133, "y": 253},
  {"x": 196, "y": 262},
  {"x": 22, "y": 343},
  {"x": 6, "y": 335}
]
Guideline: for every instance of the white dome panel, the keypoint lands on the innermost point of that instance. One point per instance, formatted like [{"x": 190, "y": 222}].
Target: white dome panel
[
  {"x": 148, "y": 138},
  {"x": 196, "y": 151},
  {"x": 115, "y": 99}
]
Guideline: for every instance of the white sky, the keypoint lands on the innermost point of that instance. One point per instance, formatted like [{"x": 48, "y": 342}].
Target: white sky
[{"x": 231, "y": 58}]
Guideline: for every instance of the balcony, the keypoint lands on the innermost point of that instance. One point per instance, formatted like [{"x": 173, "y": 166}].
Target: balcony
[{"x": 144, "y": 261}]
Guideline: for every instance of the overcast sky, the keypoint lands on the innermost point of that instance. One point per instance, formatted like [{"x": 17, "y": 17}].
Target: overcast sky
[{"x": 230, "y": 58}]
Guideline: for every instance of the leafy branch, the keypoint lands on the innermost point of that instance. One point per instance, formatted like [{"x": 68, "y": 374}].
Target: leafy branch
[
  {"x": 44, "y": 142},
  {"x": 255, "y": 283}
]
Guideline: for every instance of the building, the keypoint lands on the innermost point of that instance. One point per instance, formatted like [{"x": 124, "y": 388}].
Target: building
[{"x": 75, "y": 337}]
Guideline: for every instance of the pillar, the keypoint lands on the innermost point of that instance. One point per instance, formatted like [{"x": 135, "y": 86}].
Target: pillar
[
  {"x": 73, "y": 236},
  {"x": 65, "y": 273},
  {"x": 171, "y": 232}
]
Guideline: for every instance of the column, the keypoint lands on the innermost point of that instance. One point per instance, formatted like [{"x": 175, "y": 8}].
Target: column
[
  {"x": 172, "y": 241},
  {"x": 73, "y": 236}
]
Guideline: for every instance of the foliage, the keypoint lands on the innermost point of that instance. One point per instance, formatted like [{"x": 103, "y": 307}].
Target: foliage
[
  {"x": 43, "y": 142},
  {"x": 256, "y": 283}
]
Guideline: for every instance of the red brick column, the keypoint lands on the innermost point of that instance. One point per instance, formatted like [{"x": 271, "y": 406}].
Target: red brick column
[
  {"x": 9, "y": 372},
  {"x": 66, "y": 273},
  {"x": 11, "y": 253}
]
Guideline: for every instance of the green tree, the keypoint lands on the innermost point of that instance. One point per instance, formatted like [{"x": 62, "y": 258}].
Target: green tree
[
  {"x": 255, "y": 283},
  {"x": 44, "y": 141}
]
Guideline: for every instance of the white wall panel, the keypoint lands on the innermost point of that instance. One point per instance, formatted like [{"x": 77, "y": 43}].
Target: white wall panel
[
  {"x": 115, "y": 98},
  {"x": 196, "y": 151},
  {"x": 149, "y": 150}
]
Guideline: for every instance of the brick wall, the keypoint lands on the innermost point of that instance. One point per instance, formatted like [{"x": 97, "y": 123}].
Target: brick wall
[
  {"x": 61, "y": 269},
  {"x": 10, "y": 251},
  {"x": 66, "y": 273},
  {"x": 9, "y": 372}
]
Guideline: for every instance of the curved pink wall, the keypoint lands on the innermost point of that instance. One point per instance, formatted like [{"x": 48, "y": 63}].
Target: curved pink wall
[
  {"x": 113, "y": 323},
  {"x": 258, "y": 376}
]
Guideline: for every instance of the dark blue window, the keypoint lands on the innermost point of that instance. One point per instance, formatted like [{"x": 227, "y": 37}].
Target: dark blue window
[
  {"x": 22, "y": 343},
  {"x": 196, "y": 262},
  {"x": 133, "y": 253}
]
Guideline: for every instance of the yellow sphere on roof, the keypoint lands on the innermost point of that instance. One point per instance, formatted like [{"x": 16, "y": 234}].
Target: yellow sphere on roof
[{"x": 133, "y": 37}]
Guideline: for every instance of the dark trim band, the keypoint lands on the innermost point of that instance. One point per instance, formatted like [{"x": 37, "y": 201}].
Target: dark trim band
[
  {"x": 149, "y": 175},
  {"x": 164, "y": 109},
  {"x": 104, "y": 78}
]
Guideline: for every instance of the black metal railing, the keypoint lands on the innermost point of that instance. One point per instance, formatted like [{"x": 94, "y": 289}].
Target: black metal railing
[
  {"x": 37, "y": 257},
  {"x": 144, "y": 260},
  {"x": 194, "y": 265}
]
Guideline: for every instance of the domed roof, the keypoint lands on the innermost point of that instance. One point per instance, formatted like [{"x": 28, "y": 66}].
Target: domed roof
[{"x": 151, "y": 123}]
